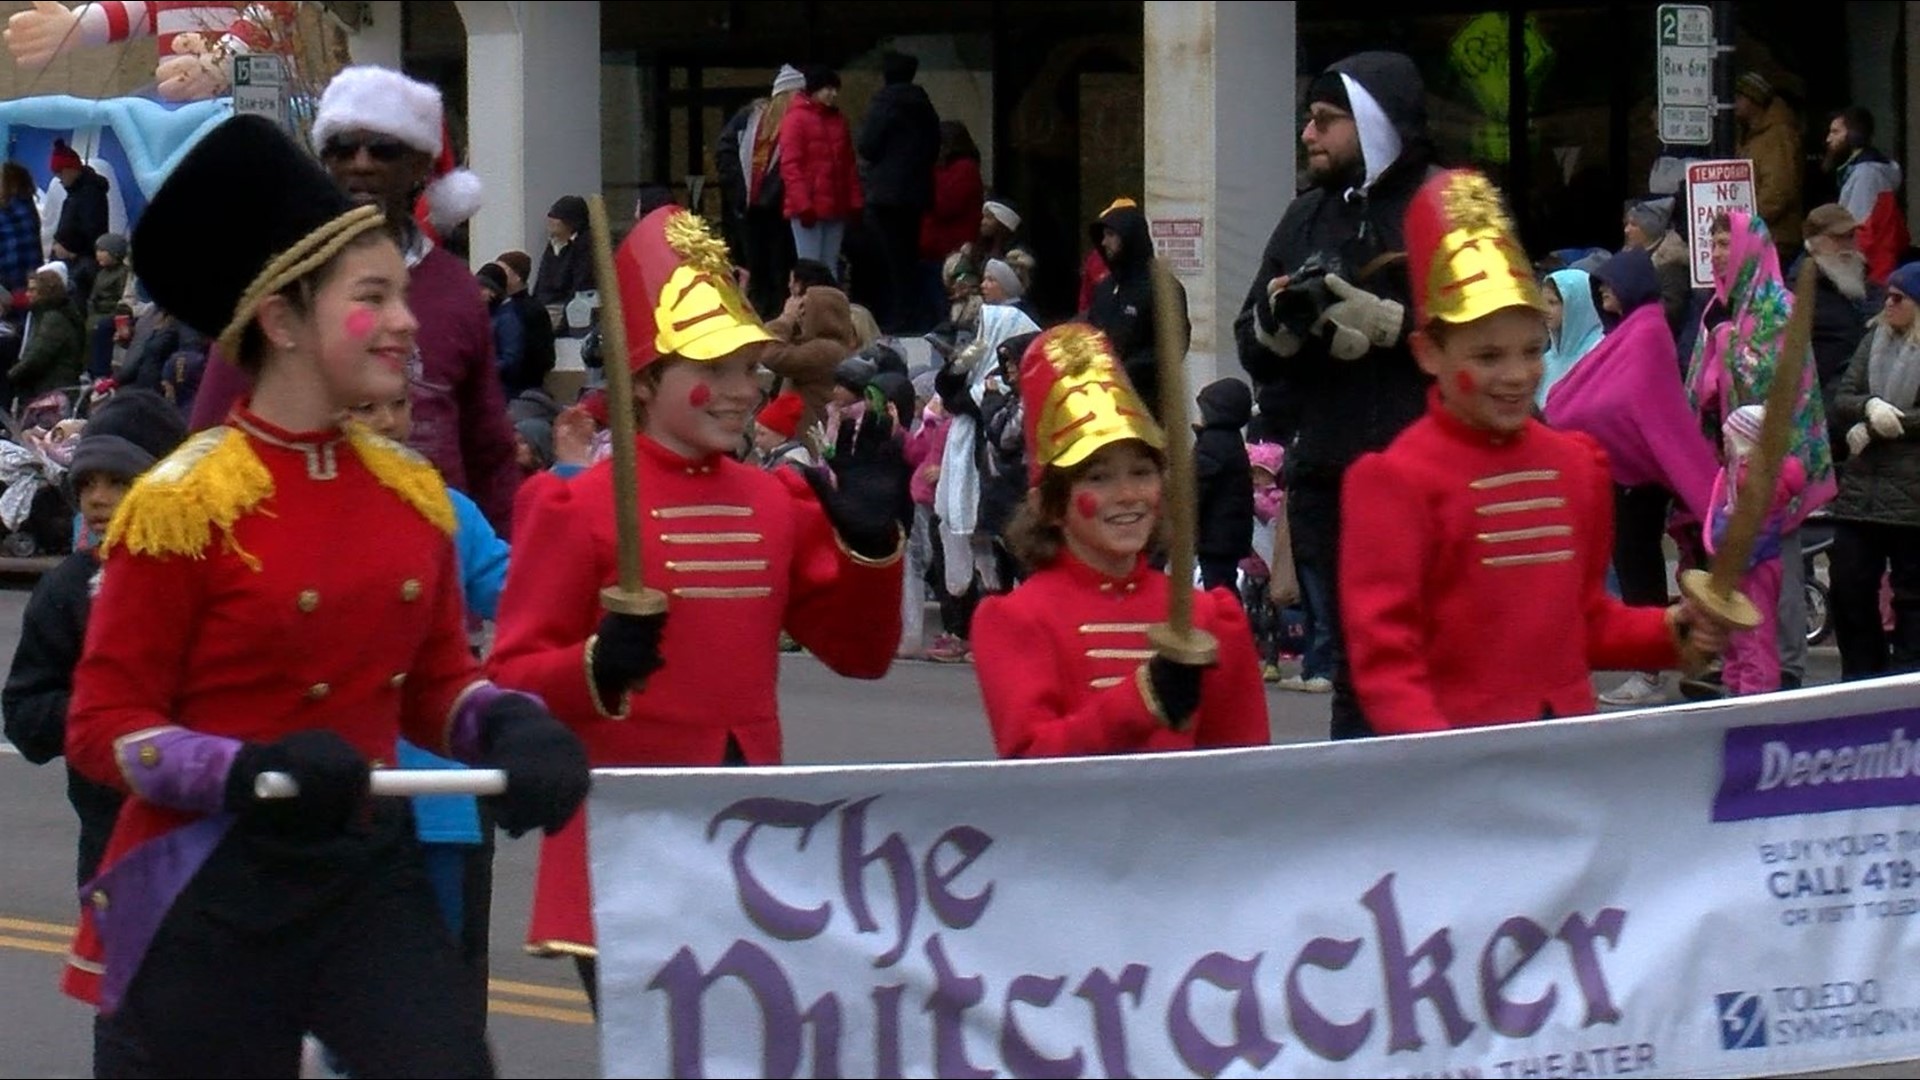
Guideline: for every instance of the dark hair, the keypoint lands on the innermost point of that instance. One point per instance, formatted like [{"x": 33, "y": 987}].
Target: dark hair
[
  {"x": 811, "y": 272},
  {"x": 1035, "y": 536},
  {"x": 16, "y": 182},
  {"x": 956, "y": 142},
  {"x": 1859, "y": 123},
  {"x": 53, "y": 286},
  {"x": 1722, "y": 222},
  {"x": 820, "y": 76},
  {"x": 254, "y": 346},
  {"x": 652, "y": 197}
]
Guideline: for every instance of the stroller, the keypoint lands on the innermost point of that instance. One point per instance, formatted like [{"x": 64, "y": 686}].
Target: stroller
[{"x": 36, "y": 513}]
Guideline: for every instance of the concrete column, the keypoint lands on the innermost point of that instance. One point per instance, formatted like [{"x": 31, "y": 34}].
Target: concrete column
[
  {"x": 533, "y": 100},
  {"x": 1910, "y": 156},
  {"x": 379, "y": 41},
  {"x": 1219, "y": 154}
]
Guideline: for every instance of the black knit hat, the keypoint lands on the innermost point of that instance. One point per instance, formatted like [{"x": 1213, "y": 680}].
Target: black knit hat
[
  {"x": 127, "y": 434},
  {"x": 492, "y": 276},
  {"x": 571, "y": 209},
  {"x": 291, "y": 219}
]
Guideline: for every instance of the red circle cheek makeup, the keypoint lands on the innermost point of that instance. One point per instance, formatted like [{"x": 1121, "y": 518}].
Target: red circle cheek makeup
[
  {"x": 1086, "y": 506},
  {"x": 699, "y": 396},
  {"x": 359, "y": 323}
]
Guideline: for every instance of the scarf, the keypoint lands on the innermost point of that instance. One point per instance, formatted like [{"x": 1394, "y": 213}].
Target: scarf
[
  {"x": 957, "y": 497},
  {"x": 1733, "y": 364},
  {"x": 1626, "y": 395},
  {"x": 1893, "y": 368}
]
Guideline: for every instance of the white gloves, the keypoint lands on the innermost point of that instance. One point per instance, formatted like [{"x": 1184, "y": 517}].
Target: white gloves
[
  {"x": 1884, "y": 419},
  {"x": 1857, "y": 439},
  {"x": 1360, "y": 320}
]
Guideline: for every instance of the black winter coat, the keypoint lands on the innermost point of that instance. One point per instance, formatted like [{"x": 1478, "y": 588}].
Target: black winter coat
[
  {"x": 1336, "y": 410},
  {"x": 83, "y": 214},
  {"x": 1123, "y": 307},
  {"x": 563, "y": 274},
  {"x": 40, "y": 685},
  {"x": 900, "y": 141},
  {"x": 1225, "y": 489}
]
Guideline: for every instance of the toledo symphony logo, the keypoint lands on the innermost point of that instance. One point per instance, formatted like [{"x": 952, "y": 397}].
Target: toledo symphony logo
[{"x": 1743, "y": 1020}]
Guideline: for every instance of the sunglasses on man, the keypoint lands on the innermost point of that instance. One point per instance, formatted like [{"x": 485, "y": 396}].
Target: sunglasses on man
[{"x": 378, "y": 147}]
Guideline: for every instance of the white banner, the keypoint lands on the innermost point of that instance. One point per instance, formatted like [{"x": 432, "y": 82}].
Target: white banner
[{"x": 1716, "y": 890}]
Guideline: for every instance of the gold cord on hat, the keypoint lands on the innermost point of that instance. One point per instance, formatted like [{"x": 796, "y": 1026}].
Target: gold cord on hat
[{"x": 310, "y": 253}]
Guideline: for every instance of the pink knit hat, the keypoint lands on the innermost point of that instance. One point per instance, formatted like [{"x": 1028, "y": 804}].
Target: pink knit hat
[{"x": 1266, "y": 455}]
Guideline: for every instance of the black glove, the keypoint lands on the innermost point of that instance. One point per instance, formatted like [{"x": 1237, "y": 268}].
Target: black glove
[
  {"x": 331, "y": 774},
  {"x": 626, "y": 652},
  {"x": 1177, "y": 686},
  {"x": 864, "y": 486},
  {"x": 546, "y": 765}
]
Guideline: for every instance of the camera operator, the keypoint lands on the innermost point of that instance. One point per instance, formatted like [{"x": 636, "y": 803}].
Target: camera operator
[{"x": 1324, "y": 327}]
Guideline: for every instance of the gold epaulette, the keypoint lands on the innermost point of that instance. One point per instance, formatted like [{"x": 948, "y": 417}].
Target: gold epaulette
[
  {"x": 210, "y": 482},
  {"x": 406, "y": 474}
]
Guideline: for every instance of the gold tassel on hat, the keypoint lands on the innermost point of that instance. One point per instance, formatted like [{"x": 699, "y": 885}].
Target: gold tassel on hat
[
  {"x": 689, "y": 238},
  {"x": 210, "y": 483},
  {"x": 406, "y": 474}
]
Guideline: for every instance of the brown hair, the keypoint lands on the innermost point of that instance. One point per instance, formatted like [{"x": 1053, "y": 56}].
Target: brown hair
[
  {"x": 1036, "y": 534},
  {"x": 1722, "y": 222},
  {"x": 15, "y": 182},
  {"x": 53, "y": 288},
  {"x": 300, "y": 294}
]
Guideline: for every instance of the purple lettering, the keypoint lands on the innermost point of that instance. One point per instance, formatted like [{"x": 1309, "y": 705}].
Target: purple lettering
[
  {"x": 895, "y": 857},
  {"x": 781, "y": 1018},
  {"x": 1580, "y": 936},
  {"x": 953, "y": 910},
  {"x": 1250, "y": 1041},
  {"x": 778, "y": 919},
  {"x": 1335, "y": 1042},
  {"x": 1021, "y": 1057},
  {"x": 1398, "y": 966},
  {"x": 952, "y": 997},
  {"x": 886, "y": 1037},
  {"x": 1102, "y": 991},
  {"x": 1514, "y": 1019}
]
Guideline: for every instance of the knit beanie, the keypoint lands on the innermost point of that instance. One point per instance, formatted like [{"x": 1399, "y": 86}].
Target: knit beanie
[
  {"x": 519, "y": 262},
  {"x": 789, "y": 79},
  {"x": 1330, "y": 88},
  {"x": 1002, "y": 213},
  {"x": 1907, "y": 280},
  {"x": 782, "y": 415},
  {"x": 1006, "y": 277},
  {"x": 113, "y": 244},
  {"x": 1743, "y": 426},
  {"x": 492, "y": 276},
  {"x": 131, "y": 431},
  {"x": 1651, "y": 216},
  {"x": 1755, "y": 86},
  {"x": 63, "y": 157},
  {"x": 538, "y": 434},
  {"x": 571, "y": 209}
]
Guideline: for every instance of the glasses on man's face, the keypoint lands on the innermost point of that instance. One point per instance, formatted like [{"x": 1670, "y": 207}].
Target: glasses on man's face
[
  {"x": 379, "y": 148},
  {"x": 1325, "y": 120}
]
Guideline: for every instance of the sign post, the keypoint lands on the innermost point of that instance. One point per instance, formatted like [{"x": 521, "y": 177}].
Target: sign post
[
  {"x": 260, "y": 86},
  {"x": 1713, "y": 186},
  {"x": 1686, "y": 46}
]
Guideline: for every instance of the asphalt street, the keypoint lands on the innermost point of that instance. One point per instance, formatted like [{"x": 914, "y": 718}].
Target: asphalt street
[{"x": 540, "y": 1023}]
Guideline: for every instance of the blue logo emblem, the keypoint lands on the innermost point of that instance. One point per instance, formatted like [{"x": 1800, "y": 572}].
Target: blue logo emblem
[{"x": 1743, "y": 1020}]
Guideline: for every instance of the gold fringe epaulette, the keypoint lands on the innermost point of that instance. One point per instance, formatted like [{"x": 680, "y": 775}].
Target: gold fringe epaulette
[
  {"x": 406, "y": 474},
  {"x": 209, "y": 483}
]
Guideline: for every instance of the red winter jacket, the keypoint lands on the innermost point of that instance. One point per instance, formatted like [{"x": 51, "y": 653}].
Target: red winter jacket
[
  {"x": 954, "y": 217},
  {"x": 816, "y": 163}
]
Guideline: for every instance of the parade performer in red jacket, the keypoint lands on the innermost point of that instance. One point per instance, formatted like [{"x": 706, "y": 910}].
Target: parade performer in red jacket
[
  {"x": 1473, "y": 566},
  {"x": 281, "y": 595},
  {"x": 1063, "y": 660},
  {"x": 741, "y": 554}
]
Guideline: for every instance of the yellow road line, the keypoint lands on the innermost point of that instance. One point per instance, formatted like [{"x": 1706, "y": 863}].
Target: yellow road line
[
  {"x": 58, "y": 948},
  {"x": 537, "y": 990},
  {"x": 29, "y": 926},
  {"x": 539, "y": 1012}
]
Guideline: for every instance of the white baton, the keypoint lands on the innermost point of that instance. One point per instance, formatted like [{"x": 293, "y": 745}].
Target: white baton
[{"x": 399, "y": 782}]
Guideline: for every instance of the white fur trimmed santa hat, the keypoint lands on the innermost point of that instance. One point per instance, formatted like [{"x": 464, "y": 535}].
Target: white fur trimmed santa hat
[{"x": 377, "y": 99}]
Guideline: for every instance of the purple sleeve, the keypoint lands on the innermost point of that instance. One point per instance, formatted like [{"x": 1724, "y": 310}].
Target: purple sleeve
[
  {"x": 179, "y": 769},
  {"x": 222, "y": 386}
]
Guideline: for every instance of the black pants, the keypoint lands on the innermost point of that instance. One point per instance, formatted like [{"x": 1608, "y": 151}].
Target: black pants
[
  {"x": 1313, "y": 518},
  {"x": 1639, "y": 524},
  {"x": 896, "y": 231},
  {"x": 1861, "y": 553},
  {"x": 362, "y": 960},
  {"x": 1220, "y": 572},
  {"x": 769, "y": 260}
]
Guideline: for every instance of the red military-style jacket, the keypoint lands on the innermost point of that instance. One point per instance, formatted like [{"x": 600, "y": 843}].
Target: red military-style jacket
[
  {"x": 1473, "y": 578},
  {"x": 1059, "y": 662},
  {"x": 259, "y": 582},
  {"x": 741, "y": 554}
]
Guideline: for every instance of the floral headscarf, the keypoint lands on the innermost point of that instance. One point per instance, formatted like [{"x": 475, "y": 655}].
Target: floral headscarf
[{"x": 1733, "y": 363}]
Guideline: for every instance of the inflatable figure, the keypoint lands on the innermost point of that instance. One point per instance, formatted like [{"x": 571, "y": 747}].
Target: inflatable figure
[{"x": 195, "y": 40}]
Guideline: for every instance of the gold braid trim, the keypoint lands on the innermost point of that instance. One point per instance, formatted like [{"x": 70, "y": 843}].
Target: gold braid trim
[
  {"x": 209, "y": 483},
  {"x": 312, "y": 252},
  {"x": 406, "y": 474}
]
